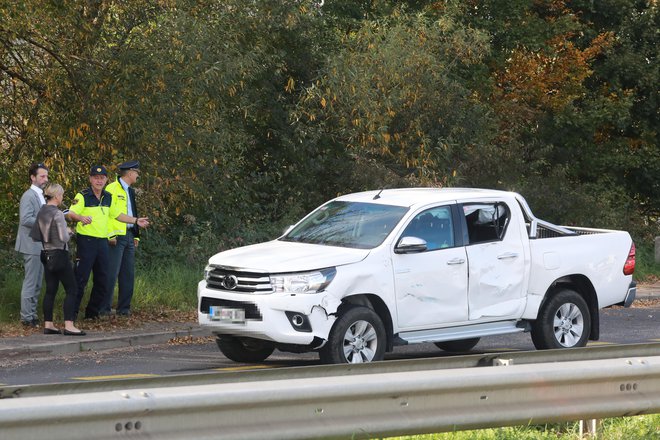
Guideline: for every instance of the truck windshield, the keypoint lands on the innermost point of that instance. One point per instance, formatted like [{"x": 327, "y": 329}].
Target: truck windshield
[{"x": 348, "y": 224}]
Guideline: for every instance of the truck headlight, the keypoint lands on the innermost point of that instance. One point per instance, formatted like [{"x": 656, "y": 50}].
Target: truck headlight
[
  {"x": 303, "y": 282},
  {"x": 207, "y": 272}
]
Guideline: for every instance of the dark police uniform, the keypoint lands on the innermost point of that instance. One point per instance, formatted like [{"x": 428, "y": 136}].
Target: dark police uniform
[
  {"x": 92, "y": 245},
  {"x": 122, "y": 254}
]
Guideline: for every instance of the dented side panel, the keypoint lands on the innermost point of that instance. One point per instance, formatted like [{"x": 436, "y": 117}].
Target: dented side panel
[
  {"x": 499, "y": 272},
  {"x": 431, "y": 288}
]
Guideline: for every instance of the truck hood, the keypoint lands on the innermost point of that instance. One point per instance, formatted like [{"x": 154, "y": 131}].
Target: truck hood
[{"x": 283, "y": 256}]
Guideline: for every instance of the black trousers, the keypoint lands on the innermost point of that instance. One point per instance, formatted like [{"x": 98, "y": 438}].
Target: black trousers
[
  {"x": 92, "y": 257},
  {"x": 53, "y": 280}
]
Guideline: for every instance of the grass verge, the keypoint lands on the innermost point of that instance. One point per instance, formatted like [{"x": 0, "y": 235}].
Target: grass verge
[
  {"x": 646, "y": 269},
  {"x": 646, "y": 427},
  {"x": 172, "y": 287}
]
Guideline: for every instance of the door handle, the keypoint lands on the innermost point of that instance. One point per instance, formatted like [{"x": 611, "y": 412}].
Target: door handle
[
  {"x": 507, "y": 256},
  {"x": 455, "y": 261}
]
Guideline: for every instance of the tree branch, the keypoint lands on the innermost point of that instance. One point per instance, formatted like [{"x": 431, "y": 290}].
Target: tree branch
[
  {"x": 36, "y": 86},
  {"x": 52, "y": 53}
]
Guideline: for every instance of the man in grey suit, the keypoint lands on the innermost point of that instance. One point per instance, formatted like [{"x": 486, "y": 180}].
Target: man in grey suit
[{"x": 31, "y": 202}]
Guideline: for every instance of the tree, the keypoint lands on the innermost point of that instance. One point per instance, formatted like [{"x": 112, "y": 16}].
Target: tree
[
  {"x": 48, "y": 64},
  {"x": 199, "y": 91},
  {"x": 394, "y": 97}
]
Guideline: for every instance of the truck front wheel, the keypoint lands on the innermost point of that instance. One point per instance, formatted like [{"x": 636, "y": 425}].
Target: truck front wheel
[
  {"x": 357, "y": 336},
  {"x": 563, "y": 322},
  {"x": 246, "y": 350}
]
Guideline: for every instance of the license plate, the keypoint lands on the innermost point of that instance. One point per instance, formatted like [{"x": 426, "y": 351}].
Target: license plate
[{"x": 217, "y": 313}]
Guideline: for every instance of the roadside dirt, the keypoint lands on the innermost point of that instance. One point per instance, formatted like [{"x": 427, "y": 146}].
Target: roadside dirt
[{"x": 108, "y": 324}]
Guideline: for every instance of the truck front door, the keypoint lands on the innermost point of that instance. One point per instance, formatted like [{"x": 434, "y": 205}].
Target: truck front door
[{"x": 432, "y": 283}]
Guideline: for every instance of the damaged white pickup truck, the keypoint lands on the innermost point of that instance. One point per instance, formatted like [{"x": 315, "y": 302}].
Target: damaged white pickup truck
[{"x": 368, "y": 271}]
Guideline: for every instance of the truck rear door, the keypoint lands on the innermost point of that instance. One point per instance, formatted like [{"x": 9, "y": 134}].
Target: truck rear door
[{"x": 496, "y": 260}]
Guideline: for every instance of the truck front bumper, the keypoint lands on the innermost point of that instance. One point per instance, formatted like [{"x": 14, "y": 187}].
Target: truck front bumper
[{"x": 281, "y": 318}]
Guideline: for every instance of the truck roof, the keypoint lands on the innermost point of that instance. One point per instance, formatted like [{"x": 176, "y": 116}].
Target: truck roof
[{"x": 412, "y": 196}]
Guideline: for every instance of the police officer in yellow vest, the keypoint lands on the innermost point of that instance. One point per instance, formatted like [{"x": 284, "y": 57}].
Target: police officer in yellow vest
[
  {"x": 123, "y": 240},
  {"x": 92, "y": 208}
]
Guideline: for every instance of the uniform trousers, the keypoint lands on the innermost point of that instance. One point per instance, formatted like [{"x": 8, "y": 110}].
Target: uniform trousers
[
  {"x": 92, "y": 257},
  {"x": 122, "y": 272},
  {"x": 34, "y": 273}
]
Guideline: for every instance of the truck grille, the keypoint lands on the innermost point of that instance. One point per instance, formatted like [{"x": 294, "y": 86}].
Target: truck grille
[{"x": 221, "y": 278}]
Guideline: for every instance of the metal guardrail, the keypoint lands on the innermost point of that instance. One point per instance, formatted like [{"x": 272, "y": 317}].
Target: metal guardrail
[
  {"x": 403, "y": 397},
  {"x": 391, "y": 366}
]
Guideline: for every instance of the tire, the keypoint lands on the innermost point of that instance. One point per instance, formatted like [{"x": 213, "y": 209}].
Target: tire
[
  {"x": 357, "y": 336},
  {"x": 563, "y": 322},
  {"x": 245, "y": 350},
  {"x": 459, "y": 346}
]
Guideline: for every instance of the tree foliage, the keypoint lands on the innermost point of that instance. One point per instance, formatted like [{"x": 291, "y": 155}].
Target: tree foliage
[
  {"x": 394, "y": 95},
  {"x": 247, "y": 113}
]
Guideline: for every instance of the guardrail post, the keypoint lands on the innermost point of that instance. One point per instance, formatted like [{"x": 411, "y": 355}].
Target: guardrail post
[{"x": 589, "y": 428}]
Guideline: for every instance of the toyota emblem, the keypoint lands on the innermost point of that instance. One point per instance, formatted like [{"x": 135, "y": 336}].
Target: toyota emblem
[{"x": 230, "y": 282}]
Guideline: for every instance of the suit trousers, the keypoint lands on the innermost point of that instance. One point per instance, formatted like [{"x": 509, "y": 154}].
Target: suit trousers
[
  {"x": 122, "y": 272},
  {"x": 92, "y": 257},
  {"x": 34, "y": 273}
]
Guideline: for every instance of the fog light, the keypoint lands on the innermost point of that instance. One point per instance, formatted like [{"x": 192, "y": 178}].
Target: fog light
[{"x": 299, "y": 322}]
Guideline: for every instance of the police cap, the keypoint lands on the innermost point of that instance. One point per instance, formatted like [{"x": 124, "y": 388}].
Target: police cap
[
  {"x": 98, "y": 170},
  {"x": 130, "y": 165}
]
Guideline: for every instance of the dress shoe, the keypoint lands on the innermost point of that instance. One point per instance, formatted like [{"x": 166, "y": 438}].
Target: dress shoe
[
  {"x": 68, "y": 333},
  {"x": 33, "y": 323},
  {"x": 51, "y": 331}
]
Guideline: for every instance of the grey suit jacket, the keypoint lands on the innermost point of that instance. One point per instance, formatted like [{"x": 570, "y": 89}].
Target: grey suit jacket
[{"x": 28, "y": 210}]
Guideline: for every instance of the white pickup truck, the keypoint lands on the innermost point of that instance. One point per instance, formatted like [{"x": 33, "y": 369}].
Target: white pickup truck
[{"x": 368, "y": 271}]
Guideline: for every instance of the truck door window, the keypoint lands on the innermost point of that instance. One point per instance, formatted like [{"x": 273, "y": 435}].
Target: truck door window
[
  {"x": 433, "y": 226},
  {"x": 486, "y": 221}
]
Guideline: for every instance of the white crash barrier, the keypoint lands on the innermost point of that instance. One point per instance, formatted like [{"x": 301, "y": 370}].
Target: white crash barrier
[{"x": 347, "y": 406}]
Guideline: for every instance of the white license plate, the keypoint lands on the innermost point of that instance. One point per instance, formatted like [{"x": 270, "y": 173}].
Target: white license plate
[{"x": 218, "y": 313}]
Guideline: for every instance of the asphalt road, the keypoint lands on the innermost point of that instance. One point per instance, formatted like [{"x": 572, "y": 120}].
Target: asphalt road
[{"x": 618, "y": 326}]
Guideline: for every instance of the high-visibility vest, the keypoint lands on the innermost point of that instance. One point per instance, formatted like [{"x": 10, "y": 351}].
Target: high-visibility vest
[
  {"x": 120, "y": 199},
  {"x": 101, "y": 210}
]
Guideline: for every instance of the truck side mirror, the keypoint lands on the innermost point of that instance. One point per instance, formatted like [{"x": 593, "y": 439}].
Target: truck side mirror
[{"x": 410, "y": 245}]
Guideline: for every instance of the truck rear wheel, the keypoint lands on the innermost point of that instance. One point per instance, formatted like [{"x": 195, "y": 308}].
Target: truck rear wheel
[
  {"x": 357, "y": 336},
  {"x": 244, "y": 349},
  {"x": 563, "y": 322},
  {"x": 458, "y": 346}
]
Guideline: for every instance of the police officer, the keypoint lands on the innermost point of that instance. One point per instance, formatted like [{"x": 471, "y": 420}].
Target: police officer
[
  {"x": 123, "y": 240},
  {"x": 92, "y": 208}
]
